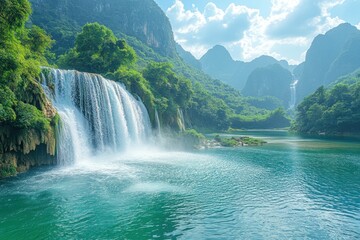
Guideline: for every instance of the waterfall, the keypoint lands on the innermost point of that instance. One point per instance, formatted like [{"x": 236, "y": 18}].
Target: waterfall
[
  {"x": 293, "y": 94},
  {"x": 96, "y": 114},
  {"x": 158, "y": 125},
  {"x": 180, "y": 119}
]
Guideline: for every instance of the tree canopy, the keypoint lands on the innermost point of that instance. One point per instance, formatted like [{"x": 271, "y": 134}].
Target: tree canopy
[
  {"x": 22, "y": 51},
  {"x": 97, "y": 50},
  {"x": 335, "y": 110},
  {"x": 13, "y": 15}
]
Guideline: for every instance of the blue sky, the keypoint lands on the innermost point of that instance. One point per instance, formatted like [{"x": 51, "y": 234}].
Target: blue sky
[{"x": 283, "y": 29}]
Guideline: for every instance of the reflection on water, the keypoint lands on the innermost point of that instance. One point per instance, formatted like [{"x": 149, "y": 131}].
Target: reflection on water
[{"x": 291, "y": 187}]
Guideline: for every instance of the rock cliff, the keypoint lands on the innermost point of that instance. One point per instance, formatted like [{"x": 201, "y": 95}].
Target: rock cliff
[
  {"x": 330, "y": 56},
  {"x": 142, "y": 19}
]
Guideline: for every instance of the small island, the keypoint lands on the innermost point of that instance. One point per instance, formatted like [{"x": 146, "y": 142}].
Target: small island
[{"x": 240, "y": 141}]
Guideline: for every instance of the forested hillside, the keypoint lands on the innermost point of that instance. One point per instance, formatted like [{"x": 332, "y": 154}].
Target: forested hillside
[
  {"x": 142, "y": 19},
  {"x": 330, "y": 56},
  {"x": 332, "y": 111},
  {"x": 212, "y": 103}
]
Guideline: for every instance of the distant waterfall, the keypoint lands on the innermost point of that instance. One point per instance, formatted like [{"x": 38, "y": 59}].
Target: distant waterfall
[
  {"x": 158, "y": 125},
  {"x": 180, "y": 119},
  {"x": 293, "y": 94},
  {"x": 96, "y": 114}
]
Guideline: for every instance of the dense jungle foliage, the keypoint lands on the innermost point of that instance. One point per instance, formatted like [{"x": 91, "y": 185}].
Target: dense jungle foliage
[
  {"x": 22, "y": 52},
  {"x": 208, "y": 104},
  {"x": 331, "y": 111},
  {"x": 211, "y": 98},
  {"x": 165, "y": 86},
  {"x": 27, "y": 119}
]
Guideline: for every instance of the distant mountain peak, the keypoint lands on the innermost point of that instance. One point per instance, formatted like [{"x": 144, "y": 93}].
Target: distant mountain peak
[
  {"x": 331, "y": 55},
  {"x": 342, "y": 27},
  {"x": 219, "y": 64},
  {"x": 218, "y": 52}
]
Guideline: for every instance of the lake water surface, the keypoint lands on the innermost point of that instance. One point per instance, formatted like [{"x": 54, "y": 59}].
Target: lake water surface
[{"x": 290, "y": 188}]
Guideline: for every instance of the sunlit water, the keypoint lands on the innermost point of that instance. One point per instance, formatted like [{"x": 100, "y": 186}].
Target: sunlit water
[{"x": 291, "y": 188}]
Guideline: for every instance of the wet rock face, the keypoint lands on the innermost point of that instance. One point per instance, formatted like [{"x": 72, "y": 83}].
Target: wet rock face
[
  {"x": 21, "y": 149},
  {"x": 13, "y": 162}
]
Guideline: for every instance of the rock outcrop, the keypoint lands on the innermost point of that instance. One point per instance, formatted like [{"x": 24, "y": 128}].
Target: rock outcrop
[
  {"x": 331, "y": 55},
  {"x": 272, "y": 80}
]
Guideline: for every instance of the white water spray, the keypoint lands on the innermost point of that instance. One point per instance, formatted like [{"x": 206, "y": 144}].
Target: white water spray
[
  {"x": 180, "y": 119},
  {"x": 158, "y": 125},
  {"x": 96, "y": 115}
]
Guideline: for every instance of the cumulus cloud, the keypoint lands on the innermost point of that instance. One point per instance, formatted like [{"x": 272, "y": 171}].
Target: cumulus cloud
[
  {"x": 286, "y": 33},
  {"x": 307, "y": 17},
  {"x": 201, "y": 30}
]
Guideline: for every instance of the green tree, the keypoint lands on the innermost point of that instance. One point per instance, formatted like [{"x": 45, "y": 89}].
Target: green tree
[
  {"x": 97, "y": 50},
  {"x": 22, "y": 52},
  {"x": 170, "y": 90},
  {"x": 334, "y": 110},
  {"x": 13, "y": 14},
  {"x": 7, "y": 103}
]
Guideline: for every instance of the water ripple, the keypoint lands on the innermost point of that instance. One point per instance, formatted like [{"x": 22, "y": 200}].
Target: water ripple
[{"x": 247, "y": 193}]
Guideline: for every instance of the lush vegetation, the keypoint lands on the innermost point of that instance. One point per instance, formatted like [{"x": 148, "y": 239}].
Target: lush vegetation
[
  {"x": 172, "y": 91},
  {"x": 212, "y": 104},
  {"x": 164, "y": 86},
  {"x": 266, "y": 102},
  {"x": 238, "y": 141},
  {"x": 22, "y": 51},
  {"x": 97, "y": 50},
  {"x": 273, "y": 119},
  {"x": 26, "y": 117},
  {"x": 63, "y": 19},
  {"x": 335, "y": 110}
]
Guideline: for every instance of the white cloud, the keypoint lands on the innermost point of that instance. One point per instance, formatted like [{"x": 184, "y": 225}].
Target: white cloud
[
  {"x": 184, "y": 21},
  {"x": 198, "y": 31},
  {"x": 212, "y": 13},
  {"x": 358, "y": 26},
  {"x": 280, "y": 8},
  {"x": 286, "y": 33},
  {"x": 305, "y": 19}
]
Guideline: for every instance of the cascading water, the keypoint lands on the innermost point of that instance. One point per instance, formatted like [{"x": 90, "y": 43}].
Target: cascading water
[
  {"x": 293, "y": 94},
  {"x": 158, "y": 125},
  {"x": 180, "y": 119},
  {"x": 96, "y": 114}
]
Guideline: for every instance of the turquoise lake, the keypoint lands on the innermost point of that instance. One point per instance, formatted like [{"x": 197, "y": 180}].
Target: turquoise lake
[{"x": 290, "y": 188}]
